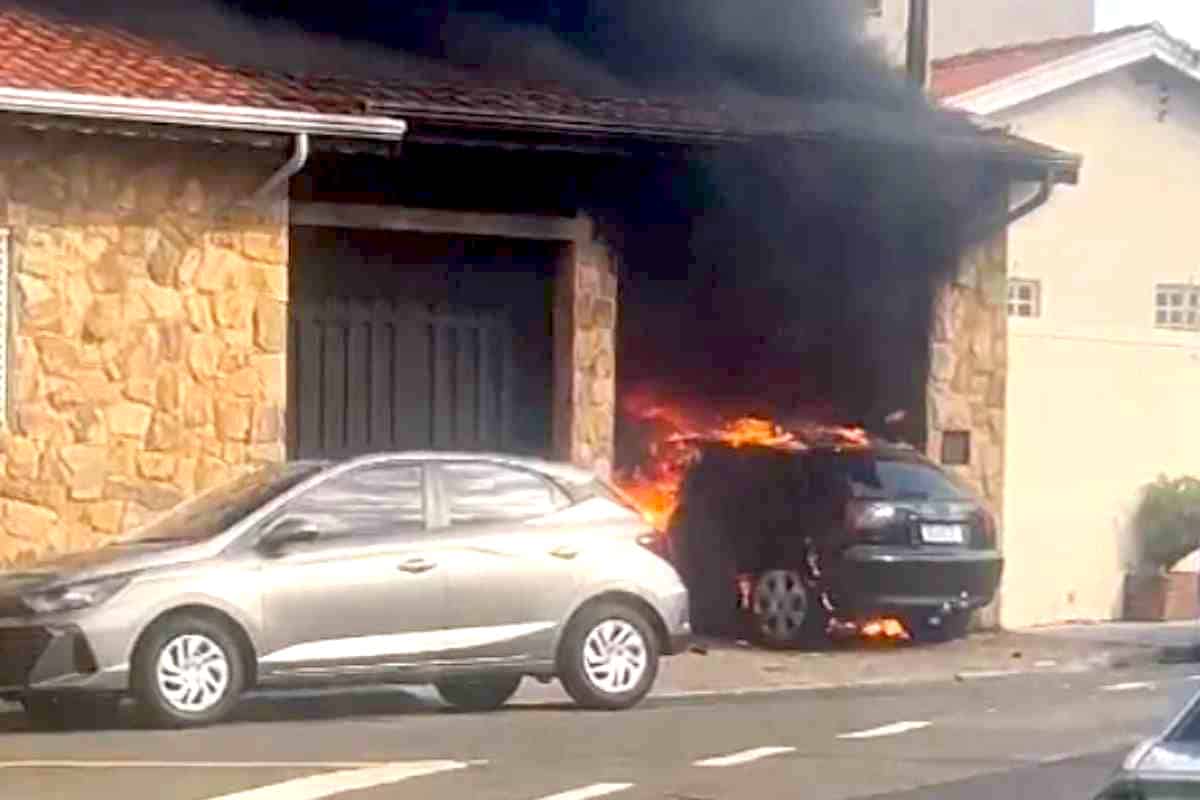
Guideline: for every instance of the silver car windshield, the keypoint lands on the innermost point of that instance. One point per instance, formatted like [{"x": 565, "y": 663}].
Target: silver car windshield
[{"x": 212, "y": 512}]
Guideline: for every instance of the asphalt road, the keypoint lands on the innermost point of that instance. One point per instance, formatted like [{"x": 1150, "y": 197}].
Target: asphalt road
[{"x": 1038, "y": 735}]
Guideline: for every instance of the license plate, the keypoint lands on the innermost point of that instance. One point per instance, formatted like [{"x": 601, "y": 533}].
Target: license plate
[{"x": 943, "y": 534}]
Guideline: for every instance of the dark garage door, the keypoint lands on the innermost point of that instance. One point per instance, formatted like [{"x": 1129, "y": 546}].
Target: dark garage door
[
  {"x": 403, "y": 341},
  {"x": 370, "y": 376}
]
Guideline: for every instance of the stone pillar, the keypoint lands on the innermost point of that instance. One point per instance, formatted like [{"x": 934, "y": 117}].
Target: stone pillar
[
  {"x": 967, "y": 373},
  {"x": 585, "y": 318},
  {"x": 148, "y": 334}
]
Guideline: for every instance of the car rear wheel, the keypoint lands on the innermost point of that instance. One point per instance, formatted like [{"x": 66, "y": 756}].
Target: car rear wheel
[
  {"x": 787, "y": 612},
  {"x": 609, "y": 657},
  {"x": 481, "y": 693},
  {"x": 188, "y": 671}
]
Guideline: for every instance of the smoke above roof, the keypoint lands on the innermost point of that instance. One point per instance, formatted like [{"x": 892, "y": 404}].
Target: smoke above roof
[{"x": 772, "y": 271}]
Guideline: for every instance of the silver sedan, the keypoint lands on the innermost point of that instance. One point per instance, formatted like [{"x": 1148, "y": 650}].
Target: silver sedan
[{"x": 463, "y": 570}]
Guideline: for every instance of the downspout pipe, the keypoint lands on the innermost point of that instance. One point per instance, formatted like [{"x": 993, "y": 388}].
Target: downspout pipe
[
  {"x": 993, "y": 225},
  {"x": 286, "y": 171},
  {"x": 1039, "y": 199}
]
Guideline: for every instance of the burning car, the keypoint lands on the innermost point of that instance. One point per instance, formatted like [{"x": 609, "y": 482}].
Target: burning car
[{"x": 847, "y": 530}]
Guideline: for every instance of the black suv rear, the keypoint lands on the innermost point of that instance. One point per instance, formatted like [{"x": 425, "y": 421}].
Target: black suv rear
[{"x": 846, "y": 532}]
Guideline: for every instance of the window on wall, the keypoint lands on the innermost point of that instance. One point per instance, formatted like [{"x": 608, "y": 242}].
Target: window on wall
[
  {"x": 1024, "y": 297},
  {"x": 1177, "y": 306},
  {"x": 874, "y": 8}
]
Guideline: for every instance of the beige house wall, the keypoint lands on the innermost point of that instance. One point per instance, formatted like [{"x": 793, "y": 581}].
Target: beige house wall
[
  {"x": 1099, "y": 401},
  {"x": 959, "y": 26}
]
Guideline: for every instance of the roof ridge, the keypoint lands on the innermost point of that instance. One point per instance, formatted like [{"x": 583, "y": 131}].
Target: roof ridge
[{"x": 1058, "y": 41}]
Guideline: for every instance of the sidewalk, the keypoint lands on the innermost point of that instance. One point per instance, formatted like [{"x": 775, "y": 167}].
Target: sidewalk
[
  {"x": 729, "y": 668},
  {"x": 1175, "y": 641}
]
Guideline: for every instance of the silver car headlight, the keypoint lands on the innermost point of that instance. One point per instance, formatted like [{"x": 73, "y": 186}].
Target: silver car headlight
[{"x": 74, "y": 596}]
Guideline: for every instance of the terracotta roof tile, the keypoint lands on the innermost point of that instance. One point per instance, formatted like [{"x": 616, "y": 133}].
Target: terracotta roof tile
[
  {"x": 43, "y": 53},
  {"x": 960, "y": 74}
]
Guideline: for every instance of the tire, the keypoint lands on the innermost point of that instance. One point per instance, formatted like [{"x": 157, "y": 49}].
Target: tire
[
  {"x": 613, "y": 676},
  {"x": 482, "y": 693},
  {"x": 173, "y": 694},
  {"x": 787, "y": 610},
  {"x": 953, "y": 626}
]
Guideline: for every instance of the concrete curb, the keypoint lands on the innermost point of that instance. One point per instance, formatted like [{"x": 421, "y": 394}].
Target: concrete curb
[{"x": 1097, "y": 663}]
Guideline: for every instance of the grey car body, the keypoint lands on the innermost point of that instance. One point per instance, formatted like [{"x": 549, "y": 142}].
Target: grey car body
[
  {"x": 352, "y": 594},
  {"x": 1166, "y": 766}
]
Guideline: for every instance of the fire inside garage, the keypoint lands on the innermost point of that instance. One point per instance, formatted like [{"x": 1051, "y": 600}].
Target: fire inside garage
[{"x": 636, "y": 237}]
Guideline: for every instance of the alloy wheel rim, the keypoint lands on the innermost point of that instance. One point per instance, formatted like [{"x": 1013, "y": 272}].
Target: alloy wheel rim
[
  {"x": 192, "y": 673},
  {"x": 615, "y": 656},
  {"x": 780, "y": 603}
]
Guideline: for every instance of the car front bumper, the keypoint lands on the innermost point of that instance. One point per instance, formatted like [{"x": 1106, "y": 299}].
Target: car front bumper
[
  {"x": 39, "y": 657},
  {"x": 877, "y": 580}
]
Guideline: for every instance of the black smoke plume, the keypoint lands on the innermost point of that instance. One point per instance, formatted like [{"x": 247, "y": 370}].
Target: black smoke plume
[{"x": 789, "y": 277}]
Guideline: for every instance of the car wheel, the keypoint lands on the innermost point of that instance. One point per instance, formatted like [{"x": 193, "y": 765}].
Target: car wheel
[
  {"x": 482, "y": 693},
  {"x": 56, "y": 711},
  {"x": 609, "y": 657},
  {"x": 948, "y": 628},
  {"x": 787, "y": 612},
  {"x": 188, "y": 671}
]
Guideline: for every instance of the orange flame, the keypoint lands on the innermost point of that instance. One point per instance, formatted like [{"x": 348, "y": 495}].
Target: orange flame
[
  {"x": 886, "y": 628},
  {"x": 654, "y": 484}
]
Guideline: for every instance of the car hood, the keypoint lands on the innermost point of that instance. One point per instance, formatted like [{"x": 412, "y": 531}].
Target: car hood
[
  {"x": 1181, "y": 759},
  {"x": 117, "y": 558}
]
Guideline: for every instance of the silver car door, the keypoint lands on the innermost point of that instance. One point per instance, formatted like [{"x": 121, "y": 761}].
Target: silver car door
[
  {"x": 367, "y": 588},
  {"x": 509, "y": 580}
]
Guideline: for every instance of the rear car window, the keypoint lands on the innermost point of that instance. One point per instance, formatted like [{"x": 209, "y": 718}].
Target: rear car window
[
  {"x": 869, "y": 476},
  {"x": 480, "y": 492}
]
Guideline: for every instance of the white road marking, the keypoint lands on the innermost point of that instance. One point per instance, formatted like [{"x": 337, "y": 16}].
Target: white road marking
[
  {"x": 314, "y": 787},
  {"x": 744, "y": 757},
  {"x": 968, "y": 675},
  {"x": 886, "y": 730},
  {"x": 191, "y": 764},
  {"x": 1131, "y": 686},
  {"x": 586, "y": 792},
  {"x": 1045, "y": 662}
]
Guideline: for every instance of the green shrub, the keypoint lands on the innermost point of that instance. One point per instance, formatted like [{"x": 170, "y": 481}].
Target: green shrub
[{"x": 1167, "y": 522}]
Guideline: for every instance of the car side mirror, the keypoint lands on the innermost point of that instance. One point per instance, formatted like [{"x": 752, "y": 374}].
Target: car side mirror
[{"x": 288, "y": 532}]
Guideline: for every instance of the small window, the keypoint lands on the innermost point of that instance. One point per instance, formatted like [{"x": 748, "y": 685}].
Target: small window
[
  {"x": 1024, "y": 297},
  {"x": 1177, "y": 306},
  {"x": 372, "y": 500},
  {"x": 488, "y": 493},
  {"x": 873, "y": 8},
  {"x": 956, "y": 448}
]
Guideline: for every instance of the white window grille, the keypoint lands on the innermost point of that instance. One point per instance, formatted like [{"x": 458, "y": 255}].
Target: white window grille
[
  {"x": 1024, "y": 297},
  {"x": 1177, "y": 306}
]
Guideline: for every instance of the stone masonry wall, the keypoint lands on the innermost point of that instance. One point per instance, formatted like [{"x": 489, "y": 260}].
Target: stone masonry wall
[
  {"x": 147, "y": 334},
  {"x": 585, "y": 320},
  {"x": 968, "y": 371}
]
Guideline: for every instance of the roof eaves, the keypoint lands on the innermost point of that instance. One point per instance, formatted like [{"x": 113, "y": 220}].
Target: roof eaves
[
  {"x": 199, "y": 115},
  {"x": 1148, "y": 43}
]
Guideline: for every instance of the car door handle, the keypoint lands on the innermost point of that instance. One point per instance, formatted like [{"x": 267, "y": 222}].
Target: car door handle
[
  {"x": 415, "y": 565},
  {"x": 564, "y": 552}
]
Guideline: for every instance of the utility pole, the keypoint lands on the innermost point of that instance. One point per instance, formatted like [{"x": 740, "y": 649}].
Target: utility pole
[{"x": 917, "y": 49}]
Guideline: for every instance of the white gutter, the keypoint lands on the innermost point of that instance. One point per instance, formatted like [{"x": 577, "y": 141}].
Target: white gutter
[
  {"x": 200, "y": 115},
  {"x": 285, "y": 173}
]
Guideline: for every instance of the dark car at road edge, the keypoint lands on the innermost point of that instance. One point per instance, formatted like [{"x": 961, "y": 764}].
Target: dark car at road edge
[{"x": 832, "y": 532}]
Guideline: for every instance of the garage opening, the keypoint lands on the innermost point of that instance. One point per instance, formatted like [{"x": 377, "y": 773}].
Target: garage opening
[{"x": 418, "y": 341}]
